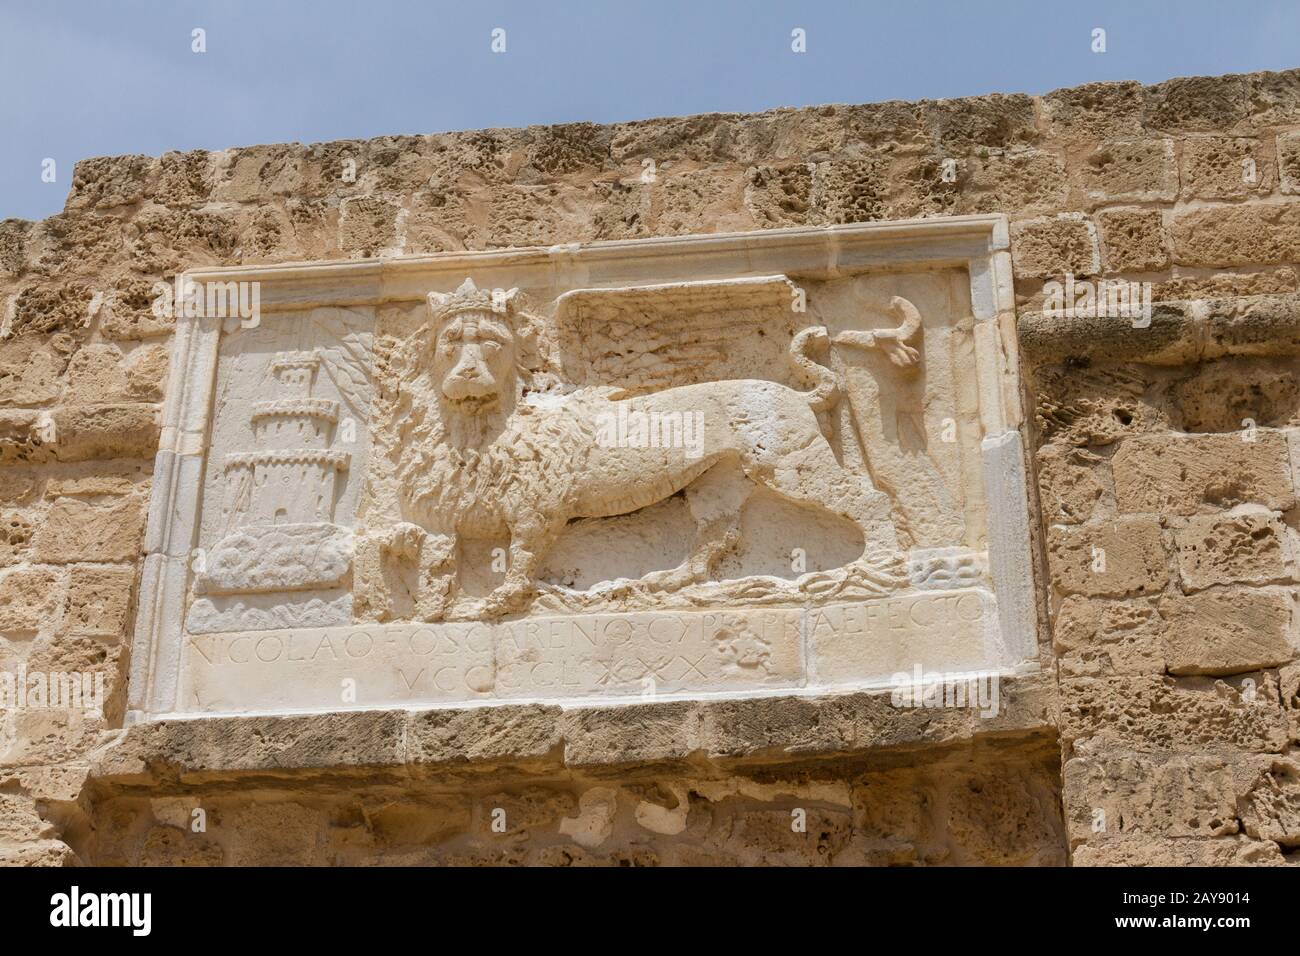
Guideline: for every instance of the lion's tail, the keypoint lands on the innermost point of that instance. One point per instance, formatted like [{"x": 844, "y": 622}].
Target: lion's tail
[{"x": 825, "y": 388}]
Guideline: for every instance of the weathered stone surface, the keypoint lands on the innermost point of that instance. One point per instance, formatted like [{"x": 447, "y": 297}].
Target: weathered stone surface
[
  {"x": 75, "y": 530},
  {"x": 25, "y": 436},
  {"x": 1178, "y": 333},
  {"x": 30, "y": 370},
  {"x": 1028, "y": 181},
  {"x": 1095, "y": 110},
  {"x": 86, "y": 432},
  {"x": 1209, "y": 103},
  {"x": 1085, "y": 407},
  {"x": 1074, "y": 484},
  {"x": 28, "y": 599},
  {"x": 1155, "y": 714},
  {"x": 1110, "y": 799},
  {"x": 1109, "y": 558},
  {"x": 1225, "y": 284},
  {"x": 1229, "y": 630},
  {"x": 98, "y": 601},
  {"x": 1270, "y": 801},
  {"x": 1133, "y": 240},
  {"x": 1235, "y": 394},
  {"x": 1048, "y": 248},
  {"x": 1187, "y": 474},
  {"x": 1225, "y": 167},
  {"x": 1139, "y": 170},
  {"x": 1288, "y": 160},
  {"x": 1261, "y": 234},
  {"x": 1100, "y": 638},
  {"x": 1251, "y": 547}
]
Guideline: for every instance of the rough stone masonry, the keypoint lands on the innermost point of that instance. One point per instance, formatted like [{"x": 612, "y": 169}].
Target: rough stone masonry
[{"x": 1160, "y": 724}]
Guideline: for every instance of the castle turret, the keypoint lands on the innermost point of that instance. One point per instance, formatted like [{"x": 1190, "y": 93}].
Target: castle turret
[{"x": 292, "y": 476}]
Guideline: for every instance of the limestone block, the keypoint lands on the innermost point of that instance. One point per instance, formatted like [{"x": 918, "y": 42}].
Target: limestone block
[
  {"x": 1228, "y": 396},
  {"x": 1289, "y": 690},
  {"x": 1225, "y": 284},
  {"x": 98, "y": 601},
  {"x": 999, "y": 121},
  {"x": 684, "y": 202},
  {"x": 1253, "y": 547},
  {"x": 1109, "y": 558},
  {"x": 76, "y": 530},
  {"x": 1095, "y": 110},
  {"x": 13, "y": 245},
  {"x": 1167, "y": 714},
  {"x": 30, "y": 369},
  {"x": 1099, "y": 638},
  {"x": 368, "y": 226},
  {"x": 25, "y": 436},
  {"x": 254, "y": 172},
  {"x": 89, "y": 432},
  {"x": 1224, "y": 167},
  {"x": 1133, "y": 240},
  {"x": 51, "y": 308},
  {"x": 1252, "y": 234},
  {"x": 1269, "y": 798},
  {"x": 1139, "y": 170},
  {"x": 108, "y": 181},
  {"x": 29, "y": 598},
  {"x": 1229, "y": 630},
  {"x": 1050, "y": 247},
  {"x": 178, "y": 846},
  {"x": 17, "y": 486},
  {"x": 1201, "y": 103},
  {"x": 1022, "y": 181},
  {"x": 1288, "y": 161},
  {"x": 1094, "y": 406},
  {"x": 128, "y": 311},
  {"x": 1187, "y": 474},
  {"x": 16, "y": 530},
  {"x": 1074, "y": 484},
  {"x": 1113, "y": 795},
  {"x": 779, "y": 195}
]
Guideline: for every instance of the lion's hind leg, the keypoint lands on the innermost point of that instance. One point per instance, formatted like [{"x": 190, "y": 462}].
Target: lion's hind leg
[
  {"x": 715, "y": 500},
  {"x": 807, "y": 472}
]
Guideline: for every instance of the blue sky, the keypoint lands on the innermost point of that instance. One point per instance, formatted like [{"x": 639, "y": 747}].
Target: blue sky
[{"x": 91, "y": 78}]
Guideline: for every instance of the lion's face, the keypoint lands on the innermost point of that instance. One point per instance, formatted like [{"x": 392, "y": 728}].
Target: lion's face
[{"x": 474, "y": 360}]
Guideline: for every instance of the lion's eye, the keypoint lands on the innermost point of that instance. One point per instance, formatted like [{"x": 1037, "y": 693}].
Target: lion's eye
[{"x": 490, "y": 346}]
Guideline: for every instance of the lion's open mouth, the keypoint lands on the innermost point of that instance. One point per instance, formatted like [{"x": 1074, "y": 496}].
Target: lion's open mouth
[{"x": 472, "y": 403}]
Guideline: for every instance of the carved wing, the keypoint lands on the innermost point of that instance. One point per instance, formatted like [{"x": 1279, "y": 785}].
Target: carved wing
[
  {"x": 645, "y": 338},
  {"x": 345, "y": 347}
]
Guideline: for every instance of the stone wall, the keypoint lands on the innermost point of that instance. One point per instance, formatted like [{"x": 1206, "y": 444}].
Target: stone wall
[{"x": 1167, "y": 458}]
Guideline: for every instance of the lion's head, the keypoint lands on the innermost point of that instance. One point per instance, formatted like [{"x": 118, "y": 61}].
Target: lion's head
[
  {"x": 479, "y": 349},
  {"x": 451, "y": 422}
]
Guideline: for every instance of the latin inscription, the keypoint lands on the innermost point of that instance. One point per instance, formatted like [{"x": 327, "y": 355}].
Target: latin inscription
[{"x": 580, "y": 657}]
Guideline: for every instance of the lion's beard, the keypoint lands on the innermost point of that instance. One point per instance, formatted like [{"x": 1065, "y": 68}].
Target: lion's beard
[{"x": 454, "y": 462}]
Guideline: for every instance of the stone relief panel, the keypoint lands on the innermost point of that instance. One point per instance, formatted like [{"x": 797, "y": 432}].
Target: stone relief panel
[
  {"x": 777, "y": 462},
  {"x": 291, "y": 414}
]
